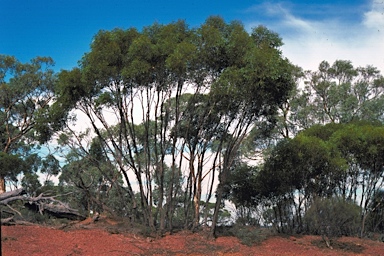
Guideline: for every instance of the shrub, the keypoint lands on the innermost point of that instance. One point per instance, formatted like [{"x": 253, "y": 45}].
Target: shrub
[
  {"x": 249, "y": 235},
  {"x": 332, "y": 217}
]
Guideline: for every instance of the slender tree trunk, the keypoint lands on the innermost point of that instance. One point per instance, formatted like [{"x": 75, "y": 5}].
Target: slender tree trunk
[
  {"x": 2, "y": 185},
  {"x": 219, "y": 192},
  {"x": 219, "y": 197}
]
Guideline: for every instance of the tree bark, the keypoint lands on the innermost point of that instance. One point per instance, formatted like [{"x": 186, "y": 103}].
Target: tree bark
[
  {"x": 2, "y": 185},
  {"x": 10, "y": 194}
]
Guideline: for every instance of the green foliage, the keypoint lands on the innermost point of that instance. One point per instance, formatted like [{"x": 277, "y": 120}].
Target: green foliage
[
  {"x": 93, "y": 185},
  {"x": 209, "y": 95},
  {"x": 337, "y": 93},
  {"x": 232, "y": 79},
  {"x": 249, "y": 235},
  {"x": 343, "y": 93},
  {"x": 333, "y": 217},
  {"x": 266, "y": 38},
  {"x": 25, "y": 98},
  {"x": 26, "y": 92},
  {"x": 50, "y": 165},
  {"x": 90, "y": 183},
  {"x": 322, "y": 154},
  {"x": 242, "y": 189},
  {"x": 303, "y": 163},
  {"x": 31, "y": 183},
  {"x": 341, "y": 160},
  {"x": 11, "y": 165}
]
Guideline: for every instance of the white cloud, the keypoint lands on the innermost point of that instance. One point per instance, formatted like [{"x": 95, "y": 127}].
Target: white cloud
[
  {"x": 307, "y": 41},
  {"x": 375, "y": 17}
]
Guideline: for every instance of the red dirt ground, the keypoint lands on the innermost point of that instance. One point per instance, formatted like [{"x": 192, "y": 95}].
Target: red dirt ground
[{"x": 91, "y": 239}]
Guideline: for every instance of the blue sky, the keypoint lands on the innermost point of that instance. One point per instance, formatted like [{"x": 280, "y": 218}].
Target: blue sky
[{"x": 312, "y": 31}]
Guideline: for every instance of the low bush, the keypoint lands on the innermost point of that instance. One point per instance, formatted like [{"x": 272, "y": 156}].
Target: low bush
[
  {"x": 249, "y": 235},
  {"x": 332, "y": 217}
]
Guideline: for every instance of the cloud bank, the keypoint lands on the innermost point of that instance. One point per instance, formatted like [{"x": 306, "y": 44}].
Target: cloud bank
[{"x": 312, "y": 34}]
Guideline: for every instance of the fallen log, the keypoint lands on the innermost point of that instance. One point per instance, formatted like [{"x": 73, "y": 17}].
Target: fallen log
[
  {"x": 11, "y": 221},
  {"x": 7, "y": 220},
  {"x": 42, "y": 204},
  {"x": 53, "y": 209},
  {"x": 13, "y": 195}
]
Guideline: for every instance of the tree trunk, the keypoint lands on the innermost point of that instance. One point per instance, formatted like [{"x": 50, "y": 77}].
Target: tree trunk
[
  {"x": 2, "y": 185},
  {"x": 220, "y": 191},
  {"x": 196, "y": 204}
]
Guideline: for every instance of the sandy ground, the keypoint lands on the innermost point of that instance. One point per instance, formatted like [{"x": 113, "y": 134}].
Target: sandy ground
[{"x": 92, "y": 239}]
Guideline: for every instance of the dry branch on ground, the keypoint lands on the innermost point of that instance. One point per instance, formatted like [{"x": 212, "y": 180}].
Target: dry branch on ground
[{"x": 41, "y": 203}]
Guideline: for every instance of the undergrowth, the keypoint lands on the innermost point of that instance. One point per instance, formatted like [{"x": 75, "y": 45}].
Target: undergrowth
[{"x": 248, "y": 235}]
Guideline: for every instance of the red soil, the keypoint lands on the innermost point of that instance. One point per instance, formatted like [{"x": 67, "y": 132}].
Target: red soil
[{"x": 92, "y": 239}]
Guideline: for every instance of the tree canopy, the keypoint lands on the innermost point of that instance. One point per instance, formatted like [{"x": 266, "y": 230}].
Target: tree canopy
[
  {"x": 174, "y": 92},
  {"x": 26, "y": 92}
]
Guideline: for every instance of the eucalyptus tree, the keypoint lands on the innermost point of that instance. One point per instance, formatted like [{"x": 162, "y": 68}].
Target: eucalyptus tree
[
  {"x": 359, "y": 148},
  {"x": 249, "y": 79},
  {"x": 170, "y": 100},
  {"x": 340, "y": 160},
  {"x": 361, "y": 144},
  {"x": 244, "y": 192},
  {"x": 198, "y": 128},
  {"x": 340, "y": 93},
  {"x": 131, "y": 74},
  {"x": 26, "y": 92},
  {"x": 297, "y": 171},
  {"x": 265, "y": 135},
  {"x": 247, "y": 95},
  {"x": 337, "y": 93}
]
